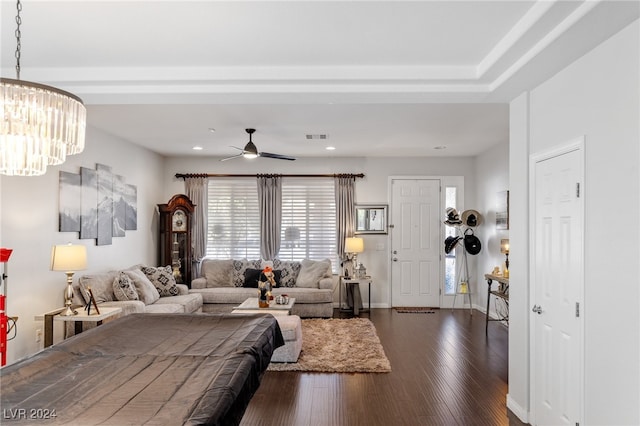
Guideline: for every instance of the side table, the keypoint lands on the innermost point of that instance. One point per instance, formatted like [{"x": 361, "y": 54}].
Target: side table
[
  {"x": 352, "y": 288},
  {"x": 78, "y": 319},
  {"x": 502, "y": 292}
]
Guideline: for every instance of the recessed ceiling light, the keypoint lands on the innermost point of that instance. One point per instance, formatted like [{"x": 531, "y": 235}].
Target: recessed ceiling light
[
  {"x": 212, "y": 130},
  {"x": 197, "y": 148},
  {"x": 440, "y": 147},
  {"x": 330, "y": 148}
]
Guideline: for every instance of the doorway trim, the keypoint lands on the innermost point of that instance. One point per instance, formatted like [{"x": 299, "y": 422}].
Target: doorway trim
[
  {"x": 446, "y": 301},
  {"x": 577, "y": 144}
]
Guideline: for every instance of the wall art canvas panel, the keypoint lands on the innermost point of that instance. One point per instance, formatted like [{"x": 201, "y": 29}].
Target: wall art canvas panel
[
  {"x": 502, "y": 210},
  {"x": 131, "y": 206},
  {"x": 69, "y": 208},
  {"x": 105, "y": 205},
  {"x": 88, "y": 203},
  {"x": 119, "y": 206}
]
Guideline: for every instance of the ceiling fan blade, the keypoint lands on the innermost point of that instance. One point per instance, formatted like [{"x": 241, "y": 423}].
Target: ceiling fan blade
[
  {"x": 231, "y": 158},
  {"x": 277, "y": 156}
]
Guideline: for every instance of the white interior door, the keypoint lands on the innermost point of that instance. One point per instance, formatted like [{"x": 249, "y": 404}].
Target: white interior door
[
  {"x": 557, "y": 288},
  {"x": 415, "y": 242}
]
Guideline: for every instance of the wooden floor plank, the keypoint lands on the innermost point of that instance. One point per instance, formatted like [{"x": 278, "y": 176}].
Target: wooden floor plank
[{"x": 445, "y": 371}]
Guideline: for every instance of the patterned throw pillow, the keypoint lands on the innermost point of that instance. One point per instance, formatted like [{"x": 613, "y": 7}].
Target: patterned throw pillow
[
  {"x": 289, "y": 272},
  {"x": 240, "y": 266},
  {"x": 163, "y": 280},
  {"x": 123, "y": 288}
]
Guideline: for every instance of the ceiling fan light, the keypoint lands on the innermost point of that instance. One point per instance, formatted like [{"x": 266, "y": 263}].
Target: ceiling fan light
[{"x": 249, "y": 155}]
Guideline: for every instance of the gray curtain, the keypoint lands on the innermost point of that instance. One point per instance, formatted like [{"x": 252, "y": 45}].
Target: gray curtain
[
  {"x": 270, "y": 201},
  {"x": 196, "y": 190},
  {"x": 345, "y": 210}
]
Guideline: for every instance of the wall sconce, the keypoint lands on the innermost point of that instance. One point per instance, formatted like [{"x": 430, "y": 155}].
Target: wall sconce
[
  {"x": 504, "y": 249},
  {"x": 68, "y": 258}
]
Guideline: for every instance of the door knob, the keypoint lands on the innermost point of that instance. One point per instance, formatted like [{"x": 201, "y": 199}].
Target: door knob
[
  {"x": 395, "y": 252},
  {"x": 395, "y": 259},
  {"x": 537, "y": 309}
]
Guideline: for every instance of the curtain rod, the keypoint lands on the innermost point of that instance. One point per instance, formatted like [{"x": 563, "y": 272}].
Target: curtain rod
[{"x": 199, "y": 175}]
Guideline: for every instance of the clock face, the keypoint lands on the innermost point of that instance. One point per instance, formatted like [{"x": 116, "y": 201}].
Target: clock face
[{"x": 179, "y": 221}]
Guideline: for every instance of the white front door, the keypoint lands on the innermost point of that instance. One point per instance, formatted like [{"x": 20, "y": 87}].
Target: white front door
[
  {"x": 557, "y": 287},
  {"x": 415, "y": 242}
]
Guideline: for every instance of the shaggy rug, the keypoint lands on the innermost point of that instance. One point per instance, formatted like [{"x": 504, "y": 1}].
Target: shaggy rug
[{"x": 338, "y": 346}]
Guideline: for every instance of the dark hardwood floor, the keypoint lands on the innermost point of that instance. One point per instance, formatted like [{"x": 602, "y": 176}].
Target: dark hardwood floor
[{"x": 445, "y": 371}]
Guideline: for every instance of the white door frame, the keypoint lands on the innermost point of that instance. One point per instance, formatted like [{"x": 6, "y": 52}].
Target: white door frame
[
  {"x": 577, "y": 144},
  {"x": 446, "y": 301}
]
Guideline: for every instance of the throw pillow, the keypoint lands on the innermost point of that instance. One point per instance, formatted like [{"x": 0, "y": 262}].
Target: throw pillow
[
  {"x": 251, "y": 277},
  {"x": 289, "y": 273},
  {"x": 123, "y": 288},
  {"x": 101, "y": 286},
  {"x": 217, "y": 272},
  {"x": 147, "y": 292},
  {"x": 313, "y": 271},
  {"x": 163, "y": 280},
  {"x": 239, "y": 266}
]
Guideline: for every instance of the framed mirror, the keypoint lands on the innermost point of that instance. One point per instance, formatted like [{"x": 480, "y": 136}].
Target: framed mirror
[{"x": 371, "y": 219}]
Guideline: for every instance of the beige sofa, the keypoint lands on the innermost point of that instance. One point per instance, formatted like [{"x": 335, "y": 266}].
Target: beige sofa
[
  {"x": 138, "y": 289},
  {"x": 311, "y": 283}
]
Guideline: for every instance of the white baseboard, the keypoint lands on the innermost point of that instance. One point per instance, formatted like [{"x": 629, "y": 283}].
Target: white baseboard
[{"x": 518, "y": 410}]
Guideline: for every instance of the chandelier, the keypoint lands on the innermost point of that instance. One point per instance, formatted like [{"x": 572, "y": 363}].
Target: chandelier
[{"x": 40, "y": 124}]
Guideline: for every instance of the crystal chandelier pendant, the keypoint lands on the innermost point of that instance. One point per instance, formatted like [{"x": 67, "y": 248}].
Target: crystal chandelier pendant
[{"x": 40, "y": 124}]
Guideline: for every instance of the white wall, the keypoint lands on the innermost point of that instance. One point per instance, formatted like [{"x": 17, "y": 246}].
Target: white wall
[
  {"x": 492, "y": 168},
  {"x": 598, "y": 97},
  {"x": 29, "y": 226},
  {"x": 373, "y": 188}
]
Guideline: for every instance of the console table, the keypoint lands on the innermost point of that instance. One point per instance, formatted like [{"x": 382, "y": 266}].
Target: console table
[{"x": 502, "y": 291}]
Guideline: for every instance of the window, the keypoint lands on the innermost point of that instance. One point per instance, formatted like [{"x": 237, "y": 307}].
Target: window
[
  {"x": 308, "y": 220},
  {"x": 450, "y": 258},
  {"x": 233, "y": 226}
]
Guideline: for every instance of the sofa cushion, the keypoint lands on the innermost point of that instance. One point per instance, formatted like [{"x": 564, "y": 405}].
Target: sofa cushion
[
  {"x": 239, "y": 266},
  {"x": 164, "y": 308},
  {"x": 217, "y": 272},
  {"x": 147, "y": 292},
  {"x": 306, "y": 295},
  {"x": 226, "y": 295},
  {"x": 252, "y": 276},
  {"x": 289, "y": 270},
  {"x": 123, "y": 288},
  {"x": 313, "y": 271},
  {"x": 101, "y": 286},
  {"x": 190, "y": 302}
]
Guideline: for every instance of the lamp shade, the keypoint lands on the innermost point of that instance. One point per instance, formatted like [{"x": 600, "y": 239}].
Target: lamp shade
[
  {"x": 68, "y": 258},
  {"x": 353, "y": 245},
  {"x": 504, "y": 246}
]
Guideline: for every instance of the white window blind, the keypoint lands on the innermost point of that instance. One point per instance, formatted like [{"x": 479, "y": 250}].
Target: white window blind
[
  {"x": 233, "y": 226},
  {"x": 308, "y": 220}
]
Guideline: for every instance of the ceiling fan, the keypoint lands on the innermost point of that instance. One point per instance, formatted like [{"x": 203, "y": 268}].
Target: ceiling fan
[{"x": 250, "y": 151}]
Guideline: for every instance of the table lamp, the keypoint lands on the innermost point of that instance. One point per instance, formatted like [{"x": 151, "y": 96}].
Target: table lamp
[
  {"x": 353, "y": 246},
  {"x": 68, "y": 258},
  {"x": 504, "y": 249}
]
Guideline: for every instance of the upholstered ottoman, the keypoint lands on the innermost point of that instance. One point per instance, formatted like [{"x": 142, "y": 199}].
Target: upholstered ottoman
[{"x": 291, "y": 328}]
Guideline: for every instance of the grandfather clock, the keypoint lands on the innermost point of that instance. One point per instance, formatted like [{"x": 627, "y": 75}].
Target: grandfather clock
[{"x": 175, "y": 237}]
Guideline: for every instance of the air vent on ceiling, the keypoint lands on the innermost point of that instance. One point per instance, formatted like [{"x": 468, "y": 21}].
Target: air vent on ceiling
[{"x": 317, "y": 137}]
